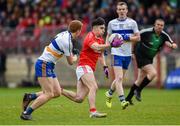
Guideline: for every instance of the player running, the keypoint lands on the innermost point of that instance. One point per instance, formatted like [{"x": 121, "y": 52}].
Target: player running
[
  {"x": 93, "y": 48},
  {"x": 121, "y": 57},
  {"x": 152, "y": 41},
  {"x": 44, "y": 68}
]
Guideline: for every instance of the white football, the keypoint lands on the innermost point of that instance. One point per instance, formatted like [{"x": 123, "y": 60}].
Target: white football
[{"x": 115, "y": 36}]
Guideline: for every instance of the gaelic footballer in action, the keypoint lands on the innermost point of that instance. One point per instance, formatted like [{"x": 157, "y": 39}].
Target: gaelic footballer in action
[
  {"x": 121, "y": 57},
  {"x": 44, "y": 69},
  {"x": 93, "y": 48}
]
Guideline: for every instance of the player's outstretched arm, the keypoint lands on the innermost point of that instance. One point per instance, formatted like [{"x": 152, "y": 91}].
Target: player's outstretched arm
[
  {"x": 171, "y": 45},
  {"x": 99, "y": 47}
]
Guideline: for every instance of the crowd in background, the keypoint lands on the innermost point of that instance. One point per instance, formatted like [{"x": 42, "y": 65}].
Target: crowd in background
[
  {"x": 40, "y": 13},
  {"x": 31, "y": 16}
]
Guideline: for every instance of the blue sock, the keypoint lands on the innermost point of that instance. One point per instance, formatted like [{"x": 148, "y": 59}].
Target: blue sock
[
  {"x": 121, "y": 98},
  {"x": 111, "y": 91},
  {"x": 33, "y": 96},
  {"x": 28, "y": 111}
]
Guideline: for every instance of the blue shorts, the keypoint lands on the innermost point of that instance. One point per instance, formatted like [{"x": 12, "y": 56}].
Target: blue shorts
[
  {"x": 122, "y": 61},
  {"x": 44, "y": 69}
]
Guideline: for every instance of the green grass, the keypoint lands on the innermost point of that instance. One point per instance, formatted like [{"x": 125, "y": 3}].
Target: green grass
[{"x": 159, "y": 107}]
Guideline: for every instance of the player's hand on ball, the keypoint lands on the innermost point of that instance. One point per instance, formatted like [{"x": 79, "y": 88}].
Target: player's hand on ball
[
  {"x": 116, "y": 43},
  {"x": 115, "y": 40}
]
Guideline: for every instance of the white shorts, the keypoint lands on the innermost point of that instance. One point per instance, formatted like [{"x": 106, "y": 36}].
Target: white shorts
[{"x": 81, "y": 70}]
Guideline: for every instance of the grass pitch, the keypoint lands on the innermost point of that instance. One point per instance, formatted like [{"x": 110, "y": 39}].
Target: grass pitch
[{"x": 158, "y": 107}]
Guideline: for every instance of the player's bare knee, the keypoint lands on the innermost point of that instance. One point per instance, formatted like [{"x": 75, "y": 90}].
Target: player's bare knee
[
  {"x": 152, "y": 75},
  {"x": 118, "y": 79},
  {"x": 79, "y": 99},
  {"x": 49, "y": 95},
  {"x": 94, "y": 88},
  {"x": 57, "y": 94}
]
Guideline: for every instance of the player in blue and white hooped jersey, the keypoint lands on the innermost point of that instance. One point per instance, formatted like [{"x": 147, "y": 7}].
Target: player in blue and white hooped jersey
[
  {"x": 44, "y": 68},
  {"x": 121, "y": 57}
]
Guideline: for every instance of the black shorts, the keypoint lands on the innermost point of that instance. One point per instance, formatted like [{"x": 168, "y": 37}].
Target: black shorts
[{"x": 142, "y": 60}]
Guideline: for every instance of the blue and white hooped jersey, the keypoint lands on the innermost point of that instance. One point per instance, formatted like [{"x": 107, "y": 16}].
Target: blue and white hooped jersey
[
  {"x": 128, "y": 27},
  {"x": 59, "y": 46}
]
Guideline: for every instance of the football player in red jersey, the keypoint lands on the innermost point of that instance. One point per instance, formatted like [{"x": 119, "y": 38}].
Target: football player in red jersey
[{"x": 93, "y": 48}]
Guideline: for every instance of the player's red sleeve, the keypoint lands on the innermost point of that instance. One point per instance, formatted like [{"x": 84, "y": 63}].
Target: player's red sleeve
[{"x": 91, "y": 40}]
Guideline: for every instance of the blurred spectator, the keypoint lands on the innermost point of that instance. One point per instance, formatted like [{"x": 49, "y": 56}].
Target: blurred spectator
[{"x": 3, "y": 56}]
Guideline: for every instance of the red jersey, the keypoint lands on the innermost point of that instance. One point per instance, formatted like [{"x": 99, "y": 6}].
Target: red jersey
[{"x": 88, "y": 56}]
